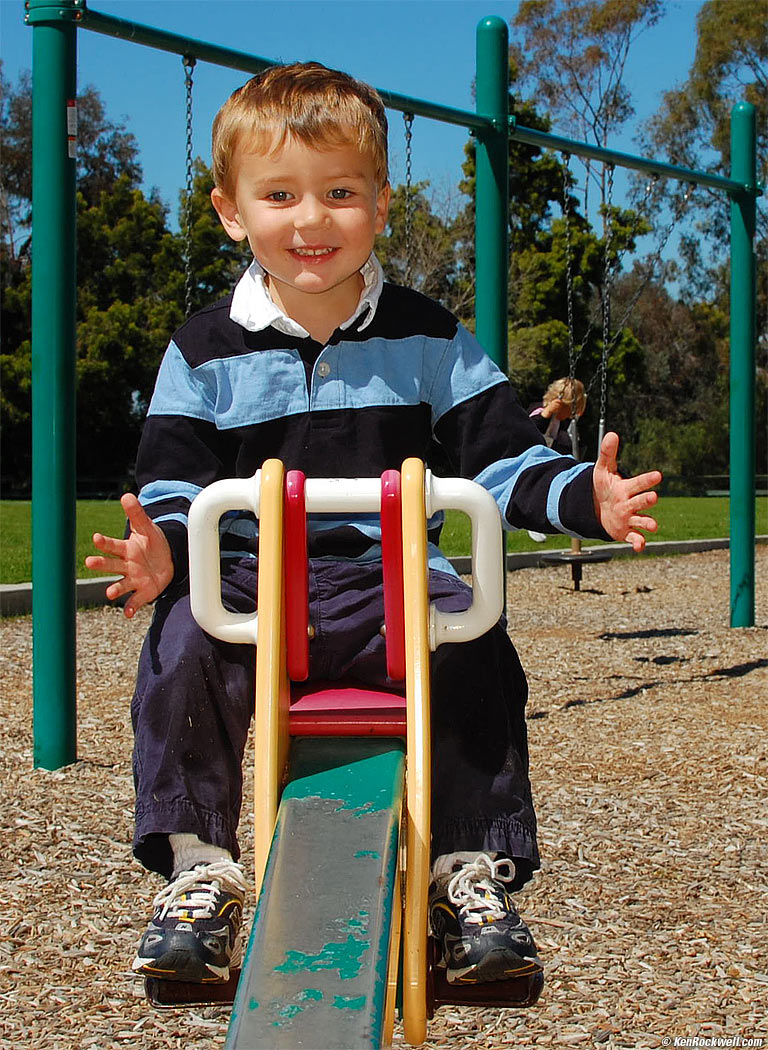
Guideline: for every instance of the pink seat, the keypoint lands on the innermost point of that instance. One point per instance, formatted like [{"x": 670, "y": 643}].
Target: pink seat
[{"x": 335, "y": 709}]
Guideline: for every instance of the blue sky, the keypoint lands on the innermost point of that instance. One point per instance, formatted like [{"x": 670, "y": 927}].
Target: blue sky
[{"x": 423, "y": 48}]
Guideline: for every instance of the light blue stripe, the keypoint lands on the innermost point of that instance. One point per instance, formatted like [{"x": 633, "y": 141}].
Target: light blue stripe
[
  {"x": 157, "y": 491},
  {"x": 232, "y": 391},
  {"x": 556, "y": 491},
  {"x": 411, "y": 371},
  {"x": 173, "y": 517},
  {"x": 501, "y": 477},
  {"x": 437, "y": 560},
  {"x": 464, "y": 371},
  {"x": 271, "y": 384},
  {"x": 181, "y": 390}
]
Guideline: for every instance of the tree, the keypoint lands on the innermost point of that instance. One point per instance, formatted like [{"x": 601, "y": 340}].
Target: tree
[
  {"x": 105, "y": 151},
  {"x": 129, "y": 267},
  {"x": 692, "y": 129},
  {"x": 675, "y": 415},
  {"x": 128, "y": 304},
  {"x": 538, "y": 180},
  {"x": 428, "y": 249},
  {"x": 692, "y": 126},
  {"x": 572, "y": 54},
  {"x": 216, "y": 261}
]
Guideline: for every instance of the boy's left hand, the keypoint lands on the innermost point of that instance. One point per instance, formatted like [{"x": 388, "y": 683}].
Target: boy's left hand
[{"x": 619, "y": 502}]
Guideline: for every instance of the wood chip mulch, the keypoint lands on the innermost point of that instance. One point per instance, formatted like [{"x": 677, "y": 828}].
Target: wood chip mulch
[{"x": 649, "y": 757}]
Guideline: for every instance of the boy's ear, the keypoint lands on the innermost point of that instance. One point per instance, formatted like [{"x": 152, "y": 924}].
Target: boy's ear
[
  {"x": 226, "y": 209},
  {"x": 382, "y": 207}
]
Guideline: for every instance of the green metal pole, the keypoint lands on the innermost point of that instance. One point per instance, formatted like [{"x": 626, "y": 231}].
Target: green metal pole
[
  {"x": 743, "y": 333},
  {"x": 492, "y": 189},
  {"x": 54, "y": 56}
]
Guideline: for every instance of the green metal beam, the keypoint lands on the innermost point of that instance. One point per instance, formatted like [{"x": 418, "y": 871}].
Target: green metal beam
[
  {"x": 743, "y": 334},
  {"x": 315, "y": 973},
  {"x": 53, "y": 381},
  {"x": 545, "y": 140},
  {"x": 176, "y": 43}
]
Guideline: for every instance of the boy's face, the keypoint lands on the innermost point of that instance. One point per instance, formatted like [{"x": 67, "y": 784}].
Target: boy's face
[{"x": 310, "y": 217}]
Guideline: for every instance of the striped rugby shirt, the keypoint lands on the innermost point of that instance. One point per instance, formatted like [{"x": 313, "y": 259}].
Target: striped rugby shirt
[{"x": 402, "y": 378}]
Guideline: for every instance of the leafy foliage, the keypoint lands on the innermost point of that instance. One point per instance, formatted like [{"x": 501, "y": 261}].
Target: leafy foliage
[
  {"x": 572, "y": 54},
  {"x": 667, "y": 360}
]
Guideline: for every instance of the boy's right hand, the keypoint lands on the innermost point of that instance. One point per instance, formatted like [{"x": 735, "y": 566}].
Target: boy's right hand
[{"x": 143, "y": 559}]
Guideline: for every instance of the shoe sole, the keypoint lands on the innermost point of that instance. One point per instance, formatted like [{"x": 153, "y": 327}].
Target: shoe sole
[
  {"x": 497, "y": 965},
  {"x": 175, "y": 966}
]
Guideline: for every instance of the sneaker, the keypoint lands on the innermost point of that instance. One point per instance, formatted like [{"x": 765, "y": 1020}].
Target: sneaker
[
  {"x": 195, "y": 926},
  {"x": 478, "y": 930},
  {"x": 538, "y": 537}
]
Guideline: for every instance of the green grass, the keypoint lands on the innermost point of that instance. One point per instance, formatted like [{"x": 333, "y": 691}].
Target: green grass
[
  {"x": 679, "y": 517},
  {"x": 16, "y": 543}
]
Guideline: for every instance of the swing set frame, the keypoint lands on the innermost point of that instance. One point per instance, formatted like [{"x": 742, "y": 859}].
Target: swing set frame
[{"x": 55, "y": 24}]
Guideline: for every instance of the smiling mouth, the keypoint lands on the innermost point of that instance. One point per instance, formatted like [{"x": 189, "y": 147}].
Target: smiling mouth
[{"x": 311, "y": 253}]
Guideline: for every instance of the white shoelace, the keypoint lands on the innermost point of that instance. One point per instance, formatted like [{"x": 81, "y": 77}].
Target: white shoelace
[
  {"x": 204, "y": 881},
  {"x": 466, "y": 886}
]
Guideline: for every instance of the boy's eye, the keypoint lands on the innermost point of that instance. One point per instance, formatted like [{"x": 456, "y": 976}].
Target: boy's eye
[
  {"x": 339, "y": 194},
  {"x": 279, "y": 196}
]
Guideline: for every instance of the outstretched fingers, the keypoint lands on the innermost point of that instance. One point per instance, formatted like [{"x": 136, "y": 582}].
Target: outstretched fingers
[
  {"x": 109, "y": 545},
  {"x": 644, "y": 483},
  {"x": 139, "y": 520},
  {"x": 637, "y": 539},
  {"x": 609, "y": 450}
]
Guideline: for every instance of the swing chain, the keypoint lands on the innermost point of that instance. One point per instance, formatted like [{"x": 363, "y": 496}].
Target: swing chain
[
  {"x": 608, "y": 275},
  {"x": 650, "y": 186},
  {"x": 572, "y": 356},
  {"x": 409, "y": 203},
  {"x": 655, "y": 258},
  {"x": 189, "y": 64}
]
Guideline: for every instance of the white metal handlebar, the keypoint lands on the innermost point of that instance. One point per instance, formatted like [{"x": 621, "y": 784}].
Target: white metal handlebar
[{"x": 350, "y": 495}]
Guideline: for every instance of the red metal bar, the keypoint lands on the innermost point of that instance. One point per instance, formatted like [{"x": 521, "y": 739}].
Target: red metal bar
[
  {"x": 296, "y": 577},
  {"x": 392, "y": 562}
]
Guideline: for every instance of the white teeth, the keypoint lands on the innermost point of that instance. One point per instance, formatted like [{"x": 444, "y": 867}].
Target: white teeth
[{"x": 313, "y": 251}]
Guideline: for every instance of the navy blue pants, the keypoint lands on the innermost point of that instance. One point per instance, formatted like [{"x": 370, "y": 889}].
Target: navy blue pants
[{"x": 195, "y": 695}]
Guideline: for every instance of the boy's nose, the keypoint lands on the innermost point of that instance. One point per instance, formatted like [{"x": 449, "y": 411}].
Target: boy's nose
[{"x": 311, "y": 214}]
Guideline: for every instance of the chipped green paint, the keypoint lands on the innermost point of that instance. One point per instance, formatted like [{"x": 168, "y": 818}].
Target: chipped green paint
[
  {"x": 289, "y": 1011},
  {"x": 348, "y": 1002},
  {"x": 355, "y": 925},
  {"x": 316, "y": 961},
  {"x": 252, "y": 1004},
  {"x": 359, "y": 786},
  {"x": 345, "y": 957}
]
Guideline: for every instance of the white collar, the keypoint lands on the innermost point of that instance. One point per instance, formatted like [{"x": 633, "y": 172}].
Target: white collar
[{"x": 254, "y": 309}]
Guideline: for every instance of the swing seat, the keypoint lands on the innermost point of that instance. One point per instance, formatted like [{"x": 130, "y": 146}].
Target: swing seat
[{"x": 576, "y": 559}]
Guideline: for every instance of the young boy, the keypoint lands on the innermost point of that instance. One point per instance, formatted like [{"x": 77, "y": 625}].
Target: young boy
[{"x": 315, "y": 360}]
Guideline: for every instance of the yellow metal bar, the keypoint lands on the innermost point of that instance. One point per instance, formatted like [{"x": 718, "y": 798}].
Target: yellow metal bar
[
  {"x": 272, "y": 686},
  {"x": 418, "y": 785}
]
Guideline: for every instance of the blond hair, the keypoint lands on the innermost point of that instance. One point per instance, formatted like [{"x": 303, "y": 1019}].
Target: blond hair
[
  {"x": 319, "y": 107},
  {"x": 570, "y": 391}
]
